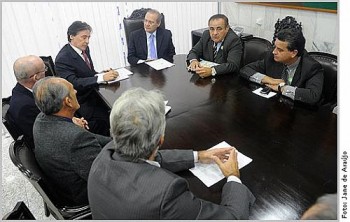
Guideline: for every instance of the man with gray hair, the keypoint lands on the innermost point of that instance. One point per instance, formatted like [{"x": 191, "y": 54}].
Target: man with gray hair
[
  {"x": 23, "y": 111},
  {"x": 325, "y": 208},
  {"x": 150, "y": 42},
  {"x": 132, "y": 179},
  {"x": 63, "y": 150}
]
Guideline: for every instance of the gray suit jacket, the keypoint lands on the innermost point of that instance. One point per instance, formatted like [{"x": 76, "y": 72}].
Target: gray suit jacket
[
  {"x": 120, "y": 189},
  {"x": 65, "y": 153},
  {"x": 229, "y": 55}
]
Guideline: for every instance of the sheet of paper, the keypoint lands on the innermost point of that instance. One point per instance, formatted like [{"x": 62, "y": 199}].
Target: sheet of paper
[
  {"x": 160, "y": 64},
  {"x": 167, "y": 108},
  {"x": 123, "y": 74},
  {"x": 257, "y": 92},
  {"x": 206, "y": 63},
  {"x": 210, "y": 174}
]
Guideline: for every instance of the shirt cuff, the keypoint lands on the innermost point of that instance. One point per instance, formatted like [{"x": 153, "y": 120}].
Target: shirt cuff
[
  {"x": 100, "y": 78},
  {"x": 257, "y": 77},
  {"x": 233, "y": 178},
  {"x": 289, "y": 91},
  {"x": 195, "y": 156}
]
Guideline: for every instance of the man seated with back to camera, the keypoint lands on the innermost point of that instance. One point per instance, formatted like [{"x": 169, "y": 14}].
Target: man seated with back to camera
[
  {"x": 150, "y": 42},
  {"x": 23, "y": 110},
  {"x": 64, "y": 151},
  {"x": 132, "y": 179},
  {"x": 288, "y": 69},
  {"x": 219, "y": 44},
  {"x": 74, "y": 63}
]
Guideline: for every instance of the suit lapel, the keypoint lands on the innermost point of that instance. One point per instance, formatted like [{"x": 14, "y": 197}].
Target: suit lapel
[
  {"x": 210, "y": 47},
  {"x": 159, "y": 41},
  {"x": 143, "y": 41},
  {"x": 297, "y": 74}
]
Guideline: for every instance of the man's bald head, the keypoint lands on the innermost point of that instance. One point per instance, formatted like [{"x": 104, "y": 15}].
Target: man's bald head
[{"x": 29, "y": 69}]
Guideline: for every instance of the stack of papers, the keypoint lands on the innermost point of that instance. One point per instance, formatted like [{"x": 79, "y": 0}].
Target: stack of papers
[
  {"x": 160, "y": 64},
  {"x": 257, "y": 92},
  {"x": 210, "y": 174},
  {"x": 123, "y": 74},
  {"x": 167, "y": 108}
]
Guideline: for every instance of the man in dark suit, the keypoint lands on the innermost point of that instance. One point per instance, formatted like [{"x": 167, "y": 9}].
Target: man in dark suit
[
  {"x": 151, "y": 42},
  {"x": 64, "y": 151},
  {"x": 219, "y": 44},
  {"x": 23, "y": 111},
  {"x": 131, "y": 179},
  {"x": 289, "y": 69},
  {"x": 74, "y": 63}
]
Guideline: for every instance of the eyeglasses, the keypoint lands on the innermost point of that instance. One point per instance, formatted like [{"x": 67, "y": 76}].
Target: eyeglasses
[{"x": 45, "y": 70}]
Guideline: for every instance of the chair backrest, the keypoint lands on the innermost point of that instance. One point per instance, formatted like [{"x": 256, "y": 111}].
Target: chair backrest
[
  {"x": 135, "y": 21},
  {"x": 254, "y": 48},
  {"x": 50, "y": 65},
  {"x": 7, "y": 121},
  {"x": 24, "y": 159},
  {"x": 329, "y": 64},
  {"x": 19, "y": 212}
]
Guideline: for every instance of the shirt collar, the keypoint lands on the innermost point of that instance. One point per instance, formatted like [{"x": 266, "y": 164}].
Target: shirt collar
[
  {"x": 154, "y": 163},
  {"x": 294, "y": 65},
  {"x": 149, "y": 34},
  {"x": 79, "y": 51}
]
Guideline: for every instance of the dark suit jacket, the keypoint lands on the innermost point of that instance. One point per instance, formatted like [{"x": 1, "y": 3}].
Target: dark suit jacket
[
  {"x": 137, "y": 48},
  {"x": 23, "y": 111},
  {"x": 119, "y": 189},
  {"x": 72, "y": 67},
  {"x": 308, "y": 76},
  {"x": 65, "y": 153},
  {"x": 229, "y": 55}
]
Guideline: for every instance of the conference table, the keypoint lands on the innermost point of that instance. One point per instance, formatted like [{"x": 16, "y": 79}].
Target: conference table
[{"x": 293, "y": 147}]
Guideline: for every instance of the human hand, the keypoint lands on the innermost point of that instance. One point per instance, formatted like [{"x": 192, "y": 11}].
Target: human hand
[
  {"x": 271, "y": 81},
  {"x": 204, "y": 71},
  {"x": 80, "y": 122},
  {"x": 193, "y": 65},
  {"x": 273, "y": 87},
  {"x": 206, "y": 156},
  {"x": 230, "y": 166},
  {"x": 110, "y": 75}
]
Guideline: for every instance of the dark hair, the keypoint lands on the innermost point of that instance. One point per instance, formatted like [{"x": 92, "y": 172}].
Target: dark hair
[
  {"x": 294, "y": 38},
  {"x": 219, "y": 16},
  {"x": 76, "y": 27}
]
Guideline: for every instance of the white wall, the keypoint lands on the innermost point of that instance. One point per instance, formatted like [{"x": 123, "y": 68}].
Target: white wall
[
  {"x": 40, "y": 28},
  {"x": 321, "y": 30}
]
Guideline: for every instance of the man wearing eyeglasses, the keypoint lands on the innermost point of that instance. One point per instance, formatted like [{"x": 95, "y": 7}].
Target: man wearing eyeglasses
[
  {"x": 23, "y": 110},
  {"x": 151, "y": 42},
  {"x": 220, "y": 45}
]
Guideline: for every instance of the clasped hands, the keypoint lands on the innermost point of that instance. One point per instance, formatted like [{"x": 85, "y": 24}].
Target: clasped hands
[
  {"x": 196, "y": 67},
  {"x": 110, "y": 75},
  {"x": 271, "y": 82},
  {"x": 225, "y": 158}
]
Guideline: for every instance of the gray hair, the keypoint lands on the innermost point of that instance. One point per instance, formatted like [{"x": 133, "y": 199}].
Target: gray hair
[
  {"x": 49, "y": 94},
  {"x": 159, "y": 16},
  {"x": 326, "y": 208},
  {"x": 25, "y": 66},
  {"x": 137, "y": 123}
]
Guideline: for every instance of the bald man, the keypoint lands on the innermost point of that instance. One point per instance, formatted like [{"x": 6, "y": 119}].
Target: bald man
[{"x": 23, "y": 111}]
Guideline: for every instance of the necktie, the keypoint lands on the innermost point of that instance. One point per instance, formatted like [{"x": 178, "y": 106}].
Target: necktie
[
  {"x": 152, "y": 49},
  {"x": 215, "y": 51},
  {"x": 285, "y": 75},
  {"x": 86, "y": 59}
]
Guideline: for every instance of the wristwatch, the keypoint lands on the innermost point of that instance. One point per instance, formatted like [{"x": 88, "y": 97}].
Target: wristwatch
[
  {"x": 213, "y": 71},
  {"x": 280, "y": 85}
]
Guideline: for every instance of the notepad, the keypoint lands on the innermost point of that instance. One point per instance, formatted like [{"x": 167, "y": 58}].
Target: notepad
[
  {"x": 210, "y": 174},
  {"x": 123, "y": 74},
  {"x": 160, "y": 64},
  {"x": 167, "y": 108}
]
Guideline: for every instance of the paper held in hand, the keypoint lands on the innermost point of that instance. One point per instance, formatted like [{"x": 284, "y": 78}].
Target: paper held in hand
[
  {"x": 210, "y": 174},
  {"x": 160, "y": 64}
]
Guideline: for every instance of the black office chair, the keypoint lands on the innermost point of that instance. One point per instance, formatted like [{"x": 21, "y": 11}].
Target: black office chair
[
  {"x": 6, "y": 120},
  {"x": 24, "y": 159},
  {"x": 19, "y": 212},
  {"x": 288, "y": 22},
  {"x": 135, "y": 21},
  {"x": 254, "y": 48},
  {"x": 329, "y": 64},
  {"x": 50, "y": 65}
]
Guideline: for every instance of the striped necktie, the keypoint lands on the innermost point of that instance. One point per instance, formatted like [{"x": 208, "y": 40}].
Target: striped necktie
[
  {"x": 86, "y": 59},
  {"x": 215, "y": 51}
]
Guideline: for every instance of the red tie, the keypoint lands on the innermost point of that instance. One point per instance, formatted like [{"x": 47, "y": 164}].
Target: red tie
[{"x": 86, "y": 59}]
